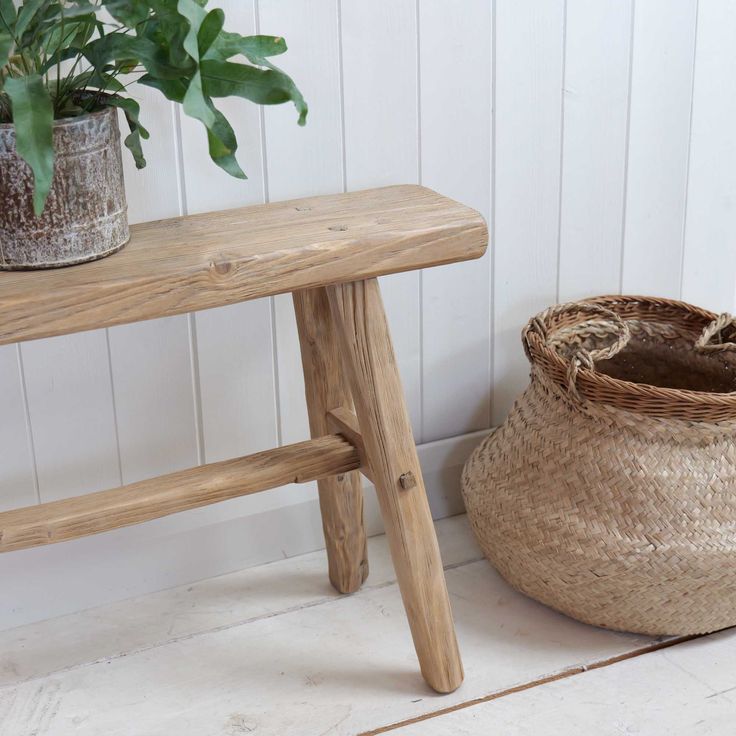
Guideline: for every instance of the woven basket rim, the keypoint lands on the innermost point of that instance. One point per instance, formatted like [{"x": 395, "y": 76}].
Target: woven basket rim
[{"x": 658, "y": 401}]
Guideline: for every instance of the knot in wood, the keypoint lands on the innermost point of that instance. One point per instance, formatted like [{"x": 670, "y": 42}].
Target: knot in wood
[
  {"x": 221, "y": 268},
  {"x": 407, "y": 480}
]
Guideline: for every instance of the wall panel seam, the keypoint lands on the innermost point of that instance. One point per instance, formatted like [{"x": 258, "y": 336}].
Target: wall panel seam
[
  {"x": 689, "y": 149},
  {"x": 492, "y": 228},
  {"x": 341, "y": 78},
  {"x": 29, "y": 427},
  {"x": 417, "y": 22},
  {"x": 114, "y": 402},
  {"x": 196, "y": 388},
  {"x": 562, "y": 148},
  {"x": 626, "y": 152}
]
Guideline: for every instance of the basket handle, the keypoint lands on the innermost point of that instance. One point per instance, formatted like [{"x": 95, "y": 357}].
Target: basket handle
[
  {"x": 582, "y": 358},
  {"x": 704, "y": 345}
]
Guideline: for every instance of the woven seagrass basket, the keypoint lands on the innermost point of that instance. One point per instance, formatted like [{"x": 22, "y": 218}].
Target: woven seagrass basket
[{"x": 610, "y": 491}]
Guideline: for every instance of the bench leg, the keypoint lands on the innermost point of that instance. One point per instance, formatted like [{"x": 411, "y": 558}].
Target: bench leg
[
  {"x": 368, "y": 354},
  {"x": 340, "y": 497}
]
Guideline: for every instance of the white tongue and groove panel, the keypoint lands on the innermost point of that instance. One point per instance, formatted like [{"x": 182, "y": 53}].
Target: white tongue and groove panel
[
  {"x": 456, "y": 300},
  {"x": 72, "y": 414},
  {"x": 594, "y": 145},
  {"x": 530, "y": 53},
  {"x": 659, "y": 145},
  {"x": 381, "y": 119},
  {"x": 17, "y": 482},
  {"x": 709, "y": 266}
]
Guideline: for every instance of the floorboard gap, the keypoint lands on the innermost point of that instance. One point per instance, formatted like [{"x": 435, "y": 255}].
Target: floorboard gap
[{"x": 571, "y": 672}]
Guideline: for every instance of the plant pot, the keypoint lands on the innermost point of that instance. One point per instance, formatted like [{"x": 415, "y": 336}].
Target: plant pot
[{"x": 85, "y": 217}]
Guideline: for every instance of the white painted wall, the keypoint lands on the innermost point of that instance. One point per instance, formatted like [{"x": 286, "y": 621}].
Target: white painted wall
[{"x": 600, "y": 136}]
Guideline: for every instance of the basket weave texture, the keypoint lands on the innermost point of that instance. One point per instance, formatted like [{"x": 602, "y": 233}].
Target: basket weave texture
[{"x": 609, "y": 493}]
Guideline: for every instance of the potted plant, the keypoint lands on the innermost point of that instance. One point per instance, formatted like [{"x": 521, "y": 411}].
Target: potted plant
[{"x": 66, "y": 67}]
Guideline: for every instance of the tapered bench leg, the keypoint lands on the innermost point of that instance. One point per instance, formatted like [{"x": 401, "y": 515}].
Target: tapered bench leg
[
  {"x": 340, "y": 497},
  {"x": 370, "y": 363}
]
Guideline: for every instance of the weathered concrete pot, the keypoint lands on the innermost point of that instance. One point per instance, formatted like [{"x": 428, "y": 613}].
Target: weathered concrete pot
[{"x": 86, "y": 214}]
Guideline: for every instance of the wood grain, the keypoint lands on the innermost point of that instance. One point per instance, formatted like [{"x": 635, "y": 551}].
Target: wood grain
[
  {"x": 168, "y": 494},
  {"x": 343, "y": 421},
  {"x": 202, "y": 261},
  {"x": 371, "y": 365},
  {"x": 341, "y": 496}
]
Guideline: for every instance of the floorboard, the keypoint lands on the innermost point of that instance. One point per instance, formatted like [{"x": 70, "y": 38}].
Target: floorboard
[
  {"x": 271, "y": 650},
  {"x": 688, "y": 689}
]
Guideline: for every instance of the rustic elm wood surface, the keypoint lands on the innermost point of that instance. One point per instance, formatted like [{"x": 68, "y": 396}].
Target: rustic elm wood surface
[
  {"x": 328, "y": 251},
  {"x": 201, "y": 261},
  {"x": 340, "y": 496},
  {"x": 92, "y": 513},
  {"x": 379, "y": 401}
]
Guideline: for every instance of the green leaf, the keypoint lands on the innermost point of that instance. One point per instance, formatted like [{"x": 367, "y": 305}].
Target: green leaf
[
  {"x": 6, "y": 43},
  {"x": 33, "y": 116},
  {"x": 195, "y": 103},
  {"x": 77, "y": 9},
  {"x": 195, "y": 14},
  {"x": 7, "y": 15},
  {"x": 167, "y": 29},
  {"x": 172, "y": 89},
  {"x": 209, "y": 30},
  {"x": 94, "y": 79},
  {"x": 120, "y": 47},
  {"x": 132, "y": 110},
  {"x": 262, "y": 86},
  {"x": 26, "y": 15},
  {"x": 254, "y": 48},
  {"x": 112, "y": 47},
  {"x": 223, "y": 145},
  {"x": 128, "y": 12}
]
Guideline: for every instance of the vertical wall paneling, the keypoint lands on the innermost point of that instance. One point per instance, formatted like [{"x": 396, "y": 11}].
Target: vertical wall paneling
[
  {"x": 17, "y": 485},
  {"x": 302, "y": 161},
  {"x": 596, "y": 93},
  {"x": 529, "y": 71},
  {"x": 659, "y": 136},
  {"x": 293, "y": 419},
  {"x": 72, "y": 414},
  {"x": 308, "y": 160},
  {"x": 379, "y": 45},
  {"x": 239, "y": 416},
  {"x": 151, "y": 362},
  {"x": 152, "y": 380},
  {"x": 455, "y": 95},
  {"x": 710, "y": 233},
  {"x": 237, "y": 407}
]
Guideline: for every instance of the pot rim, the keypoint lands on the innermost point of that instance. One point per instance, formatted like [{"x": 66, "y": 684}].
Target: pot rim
[{"x": 68, "y": 121}]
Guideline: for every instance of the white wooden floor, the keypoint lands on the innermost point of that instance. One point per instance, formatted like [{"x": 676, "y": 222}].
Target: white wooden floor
[{"x": 273, "y": 650}]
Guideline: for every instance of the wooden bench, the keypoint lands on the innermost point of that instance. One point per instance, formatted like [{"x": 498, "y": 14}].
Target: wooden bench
[{"x": 328, "y": 251}]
